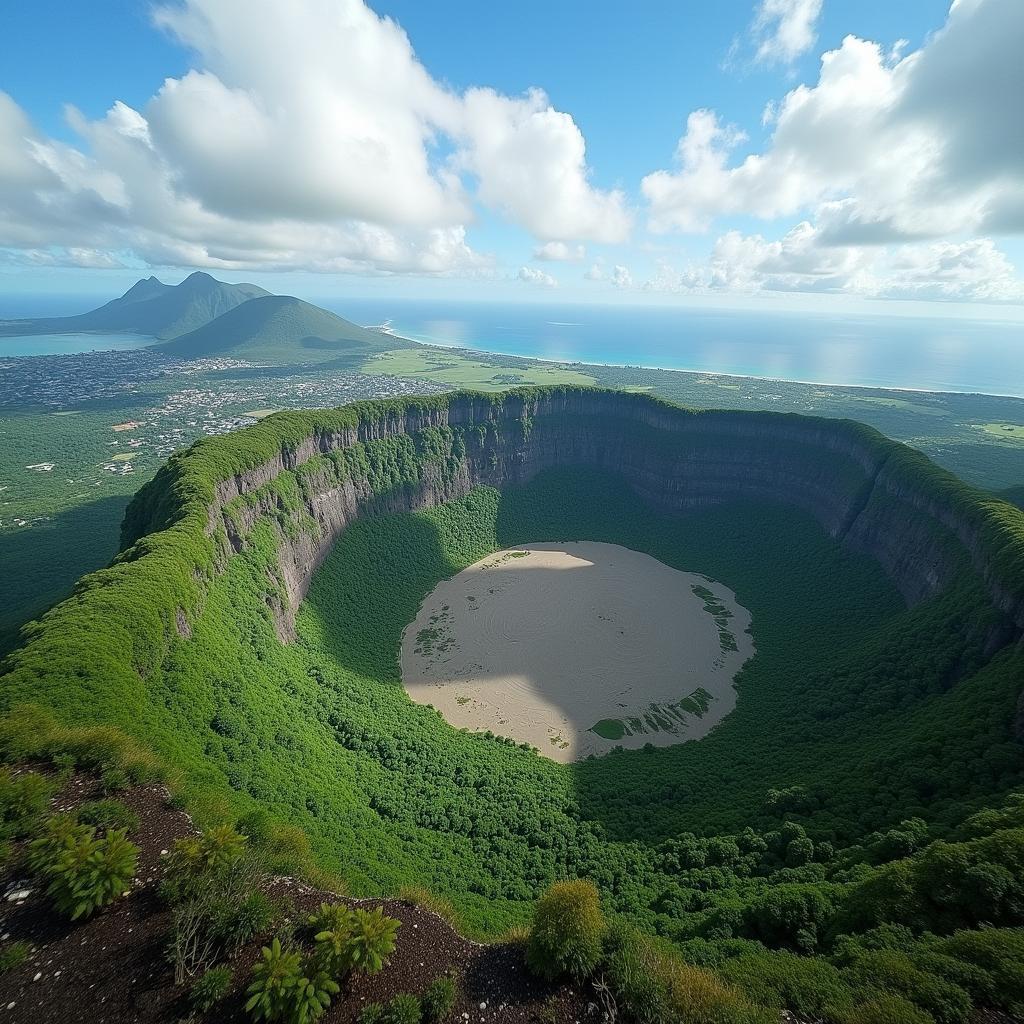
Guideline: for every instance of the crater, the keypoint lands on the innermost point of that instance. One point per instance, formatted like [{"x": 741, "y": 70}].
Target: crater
[{"x": 575, "y": 648}]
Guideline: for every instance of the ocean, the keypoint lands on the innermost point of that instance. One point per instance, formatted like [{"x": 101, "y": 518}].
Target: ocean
[{"x": 916, "y": 353}]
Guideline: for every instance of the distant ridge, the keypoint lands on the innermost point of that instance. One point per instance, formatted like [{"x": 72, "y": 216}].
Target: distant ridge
[
  {"x": 150, "y": 307},
  {"x": 281, "y": 329}
]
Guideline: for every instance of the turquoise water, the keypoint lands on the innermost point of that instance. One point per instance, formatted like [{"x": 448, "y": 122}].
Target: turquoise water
[
  {"x": 66, "y": 344},
  {"x": 920, "y": 353}
]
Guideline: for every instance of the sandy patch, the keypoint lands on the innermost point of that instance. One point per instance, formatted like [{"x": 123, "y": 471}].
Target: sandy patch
[{"x": 576, "y": 648}]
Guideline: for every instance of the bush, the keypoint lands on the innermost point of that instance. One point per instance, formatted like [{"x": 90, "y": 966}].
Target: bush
[
  {"x": 403, "y": 1009},
  {"x": 13, "y": 954},
  {"x": 284, "y": 988},
  {"x": 108, "y": 814},
  {"x": 23, "y": 798},
  {"x": 439, "y": 999},
  {"x": 373, "y": 1013},
  {"x": 213, "y": 851},
  {"x": 809, "y": 986},
  {"x": 888, "y": 970},
  {"x": 83, "y": 872},
  {"x": 887, "y": 1009},
  {"x": 1000, "y": 953},
  {"x": 232, "y": 923},
  {"x": 371, "y": 940},
  {"x": 210, "y": 989},
  {"x": 568, "y": 927},
  {"x": 652, "y": 987}
]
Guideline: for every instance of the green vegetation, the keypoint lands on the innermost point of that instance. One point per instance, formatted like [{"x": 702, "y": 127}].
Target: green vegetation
[
  {"x": 464, "y": 369},
  {"x": 1013, "y": 433},
  {"x": 857, "y": 789},
  {"x": 439, "y": 999},
  {"x": 82, "y": 871},
  {"x": 281, "y": 330},
  {"x": 567, "y": 930}
]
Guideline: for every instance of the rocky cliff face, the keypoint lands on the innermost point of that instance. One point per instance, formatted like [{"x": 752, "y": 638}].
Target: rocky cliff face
[{"x": 841, "y": 473}]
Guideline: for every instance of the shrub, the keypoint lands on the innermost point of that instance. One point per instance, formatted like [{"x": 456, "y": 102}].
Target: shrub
[
  {"x": 889, "y": 970},
  {"x": 108, "y": 814},
  {"x": 25, "y": 731},
  {"x": 275, "y": 979},
  {"x": 811, "y": 987},
  {"x": 652, "y": 987},
  {"x": 373, "y": 1013},
  {"x": 83, "y": 872},
  {"x": 213, "y": 851},
  {"x": 568, "y": 927},
  {"x": 23, "y": 798},
  {"x": 13, "y": 954},
  {"x": 403, "y": 1009},
  {"x": 234, "y": 923},
  {"x": 210, "y": 989},
  {"x": 330, "y": 917},
  {"x": 285, "y": 988},
  {"x": 887, "y": 1009},
  {"x": 439, "y": 999},
  {"x": 371, "y": 940},
  {"x": 1000, "y": 953}
]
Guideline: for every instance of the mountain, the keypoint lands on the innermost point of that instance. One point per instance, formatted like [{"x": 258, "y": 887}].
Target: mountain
[
  {"x": 150, "y": 307},
  {"x": 281, "y": 329}
]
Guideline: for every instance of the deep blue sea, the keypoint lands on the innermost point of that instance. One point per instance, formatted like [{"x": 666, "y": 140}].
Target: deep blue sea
[{"x": 919, "y": 353}]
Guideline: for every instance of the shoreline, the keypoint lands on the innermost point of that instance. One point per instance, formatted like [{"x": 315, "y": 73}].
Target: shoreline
[{"x": 703, "y": 373}]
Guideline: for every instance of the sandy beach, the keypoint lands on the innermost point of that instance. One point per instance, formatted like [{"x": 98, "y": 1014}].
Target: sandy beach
[{"x": 576, "y": 648}]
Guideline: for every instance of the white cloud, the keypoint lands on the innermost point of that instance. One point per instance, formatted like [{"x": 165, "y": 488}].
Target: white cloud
[
  {"x": 533, "y": 275},
  {"x": 974, "y": 271},
  {"x": 784, "y": 30},
  {"x": 559, "y": 252},
  {"x": 307, "y": 135},
  {"x": 530, "y": 161},
  {"x": 926, "y": 145},
  {"x": 595, "y": 273},
  {"x": 621, "y": 277}
]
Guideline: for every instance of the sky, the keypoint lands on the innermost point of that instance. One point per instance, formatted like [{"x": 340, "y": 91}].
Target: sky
[{"x": 799, "y": 154}]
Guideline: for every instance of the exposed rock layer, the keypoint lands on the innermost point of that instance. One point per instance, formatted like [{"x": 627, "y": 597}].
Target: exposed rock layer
[{"x": 842, "y": 473}]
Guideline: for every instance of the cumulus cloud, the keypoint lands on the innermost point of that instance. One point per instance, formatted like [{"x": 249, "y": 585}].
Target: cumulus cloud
[
  {"x": 559, "y": 252},
  {"x": 621, "y": 277},
  {"x": 534, "y": 275},
  {"x": 784, "y": 30},
  {"x": 926, "y": 145},
  {"x": 307, "y": 135},
  {"x": 975, "y": 270},
  {"x": 595, "y": 273}
]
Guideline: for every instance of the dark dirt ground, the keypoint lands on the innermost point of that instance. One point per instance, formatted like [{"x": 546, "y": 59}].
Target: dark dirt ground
[{"x": 113, "y": 968}]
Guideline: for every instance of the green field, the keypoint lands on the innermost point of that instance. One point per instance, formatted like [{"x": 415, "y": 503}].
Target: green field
[{"x": 462, "y": 370}]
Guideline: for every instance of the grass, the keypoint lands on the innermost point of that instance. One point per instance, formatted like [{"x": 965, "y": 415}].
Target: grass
[
  {"x": 1012, "y": 432},
  {"x": 482, "y": 374}
]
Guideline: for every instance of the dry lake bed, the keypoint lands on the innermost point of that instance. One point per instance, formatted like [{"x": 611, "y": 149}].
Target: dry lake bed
[{"x": 576, "y": 648}]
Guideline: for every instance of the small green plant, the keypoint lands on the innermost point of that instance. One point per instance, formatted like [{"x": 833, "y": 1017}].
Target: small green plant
[
  {"x": 329, "y": 917},
  {"x": 439, "y": 999},
  {"x": 887, "y": 1008},
  {"x": 283, "y": 988},
  {"x": 13, "y": 954},
  {"x": 108, "y": 814},
  {"x": 275, "y": 979},
  {"x": 84, "y": 872},
  {"x": 568, "y": 927},
  {"x": 212, "y": 851},
  {"x": 403, "y": 1009},
  {"x": 372, "y": 938},
  {"x": 210, "y": 989},
  {"x": 23, "y": 798},
  {"x": 373, "y": 1013}
]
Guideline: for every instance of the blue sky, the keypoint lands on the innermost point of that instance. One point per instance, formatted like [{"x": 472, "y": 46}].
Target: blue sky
[{"x": 327, "y": 148}]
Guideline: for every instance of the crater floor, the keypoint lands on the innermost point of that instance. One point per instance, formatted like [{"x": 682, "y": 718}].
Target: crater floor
[{"x": 576, "y": 648}]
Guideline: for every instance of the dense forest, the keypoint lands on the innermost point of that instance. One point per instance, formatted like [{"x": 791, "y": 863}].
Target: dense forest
[{"x": 853, "y": 819}]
